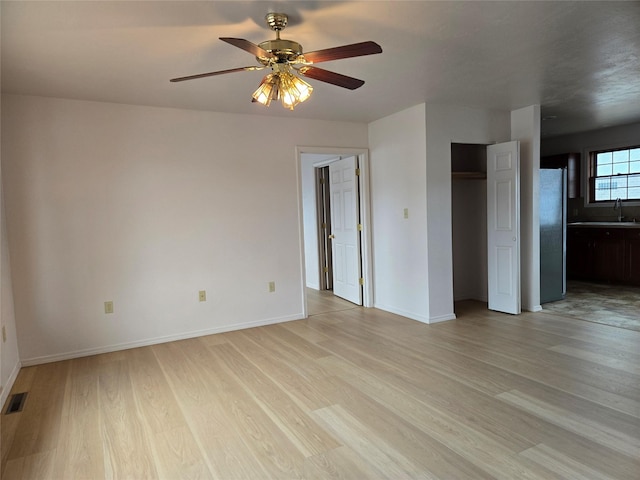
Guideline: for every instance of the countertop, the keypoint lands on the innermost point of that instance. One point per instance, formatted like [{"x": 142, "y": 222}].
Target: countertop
[{"x": 605, "y": 224}]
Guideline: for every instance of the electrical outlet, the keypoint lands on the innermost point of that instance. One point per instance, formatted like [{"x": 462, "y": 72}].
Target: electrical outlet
[
  {"x": 406, "y": 213},
  {"x": 108, "y": 307},
  {"x": 202, "y": 295},
  {"x": 4, "y": 334},
  {"x": 272, "y": 287}
]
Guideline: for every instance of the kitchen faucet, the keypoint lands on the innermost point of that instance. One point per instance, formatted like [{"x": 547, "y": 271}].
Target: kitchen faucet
[{"x": 618, "y": 206}]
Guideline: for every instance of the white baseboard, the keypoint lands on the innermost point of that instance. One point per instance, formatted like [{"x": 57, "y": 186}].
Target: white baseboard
[
  {"x": 442, "y": 318},
  {"x": 403, "y": 313},
  {"x": 27, "y": 362},
  {"x": 10, "y": 381},
  {"x": 535, "y": 308},
  {"x": 415, "y": 316}
]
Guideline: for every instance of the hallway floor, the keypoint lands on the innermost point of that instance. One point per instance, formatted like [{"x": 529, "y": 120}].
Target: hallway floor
[{"x": 324, "y": 301}]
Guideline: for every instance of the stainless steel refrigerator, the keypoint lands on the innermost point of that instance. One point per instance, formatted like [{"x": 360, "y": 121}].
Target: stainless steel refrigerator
[{"x": 553, "y": 234}]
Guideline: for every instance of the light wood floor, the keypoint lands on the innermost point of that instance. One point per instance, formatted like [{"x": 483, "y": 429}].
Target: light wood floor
[
  {"x": 353, "y": 394},
  {"x": 324, "y": 301}
]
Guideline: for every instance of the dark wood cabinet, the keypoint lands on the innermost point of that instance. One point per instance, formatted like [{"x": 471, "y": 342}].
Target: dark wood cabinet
[
  {"x": 579, "y": 254},
  {"x": 604, "y": 254},
  {"x": 632, "y": 253},
  {"x": 570, "y": 161},
  {"x": 608, "y": 255}
]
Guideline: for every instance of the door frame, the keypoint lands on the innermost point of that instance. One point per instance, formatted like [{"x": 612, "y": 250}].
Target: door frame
[{"x": 365, "y": 216}]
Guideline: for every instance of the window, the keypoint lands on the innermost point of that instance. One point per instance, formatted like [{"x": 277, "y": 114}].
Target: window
[{"x": 614, "y": 174}]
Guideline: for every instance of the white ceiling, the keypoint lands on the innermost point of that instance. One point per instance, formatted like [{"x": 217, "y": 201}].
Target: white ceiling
[{"x": 579, "y": 60}]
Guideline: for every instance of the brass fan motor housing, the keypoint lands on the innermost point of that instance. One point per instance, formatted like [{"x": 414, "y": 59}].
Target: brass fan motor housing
[{"x": 285, "y": 50}]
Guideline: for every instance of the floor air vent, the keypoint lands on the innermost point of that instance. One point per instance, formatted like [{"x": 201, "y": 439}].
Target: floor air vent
[{"x": 16, "y": 402}]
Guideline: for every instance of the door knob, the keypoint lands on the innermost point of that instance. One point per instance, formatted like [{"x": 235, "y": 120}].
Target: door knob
[{"x": 332, "y": 237}]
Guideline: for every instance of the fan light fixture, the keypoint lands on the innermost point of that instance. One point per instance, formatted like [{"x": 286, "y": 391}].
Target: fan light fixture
[
  {"x": 288, "y": 63},
  {"x": 282, "y": 85}
]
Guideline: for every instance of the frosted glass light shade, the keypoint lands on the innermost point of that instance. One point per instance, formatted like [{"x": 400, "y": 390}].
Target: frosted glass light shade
[{"x": 282, "y": 85}]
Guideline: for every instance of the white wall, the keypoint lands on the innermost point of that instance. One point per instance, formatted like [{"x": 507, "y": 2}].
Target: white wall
[
  {"x": 525, "y": 127},
  {"x": 411, "y": 168},
  {"x": 398, "y": 181},
  {"x": 145, "y": 206},
  {"x": 9, "y": 357},
  {"x": 446, "y": 124}
]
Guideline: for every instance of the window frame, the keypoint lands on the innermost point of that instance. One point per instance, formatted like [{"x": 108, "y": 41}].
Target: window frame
[{"x": 591, "y": 176}]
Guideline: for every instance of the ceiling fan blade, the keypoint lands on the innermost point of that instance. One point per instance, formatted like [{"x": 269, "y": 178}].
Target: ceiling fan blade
[
  {"x": 212, "y": 74},
  {"x": 331, "y": 77},
  {"x": 247, "y": 46},
  {"x": 345, "y": 51}
]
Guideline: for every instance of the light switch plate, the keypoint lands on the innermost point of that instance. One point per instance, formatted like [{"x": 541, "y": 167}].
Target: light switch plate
[{"x": 108, "y": 307}]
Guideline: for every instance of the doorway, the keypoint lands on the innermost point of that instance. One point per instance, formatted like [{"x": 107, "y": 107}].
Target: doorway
[
  {"x": 315, "y": 210},
  {"x": 500, "y": 198},
  {"x": 469, "y": 221}
]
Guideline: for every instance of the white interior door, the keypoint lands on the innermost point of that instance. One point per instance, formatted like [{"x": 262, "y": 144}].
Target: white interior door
[
  {"x": 345, "y": 242},
  {"x": 503, "y": 226}
]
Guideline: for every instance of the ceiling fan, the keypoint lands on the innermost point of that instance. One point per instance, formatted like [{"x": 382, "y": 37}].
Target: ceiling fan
[{"x": 285, "y": 58}]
